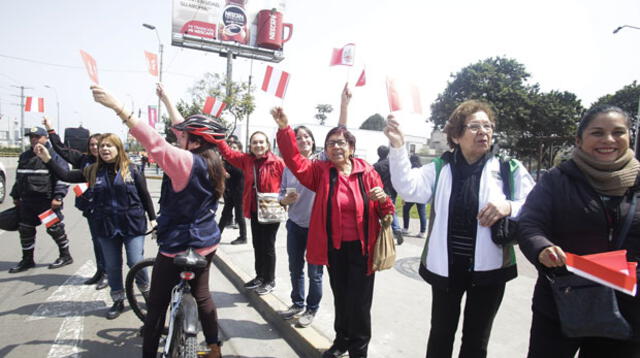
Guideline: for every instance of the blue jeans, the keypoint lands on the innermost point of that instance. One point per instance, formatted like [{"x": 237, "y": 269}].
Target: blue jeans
[
  {"x": 296, "y": 247},
  {"x": 395, "y": 227},
  {"x": 97, "y": 249},
  {"x": 422, "y": 213},
  {"x": 112, "y": 251}
]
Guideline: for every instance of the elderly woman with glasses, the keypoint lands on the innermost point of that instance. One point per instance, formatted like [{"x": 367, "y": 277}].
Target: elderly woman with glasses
[{"x": 467, "y": 197}]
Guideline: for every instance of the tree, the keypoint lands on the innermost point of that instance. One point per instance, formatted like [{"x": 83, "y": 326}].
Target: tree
[
  {"x": 523, "y": 113},
  {"x": 323, "y": 109},
  {"x": 374, "y": 122}
]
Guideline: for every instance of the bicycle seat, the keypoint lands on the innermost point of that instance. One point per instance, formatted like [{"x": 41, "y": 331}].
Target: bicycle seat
[{"x": 190, "y": 260}]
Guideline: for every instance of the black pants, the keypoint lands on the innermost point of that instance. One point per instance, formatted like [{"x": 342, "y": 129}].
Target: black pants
[
  {"x": 352, "y": 298},
  {"x": 233, "y": 206},
  {"x": 547, "y": 341},
  {"x": 480, "y": 309},
  {"x": 164, "y": 277},
  {"x": 263, "y": 237}
]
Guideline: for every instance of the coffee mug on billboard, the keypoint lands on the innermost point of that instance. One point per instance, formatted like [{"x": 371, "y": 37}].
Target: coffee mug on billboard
[{"x": 271, "y": 30}]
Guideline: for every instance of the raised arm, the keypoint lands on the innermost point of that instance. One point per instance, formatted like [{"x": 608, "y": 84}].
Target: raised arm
[
  {"x": 70, "y": 176},
  {"x": 174, "y": 115},
  {"x": 70, "y": 155},
  {"x": 345, "y": 99}
]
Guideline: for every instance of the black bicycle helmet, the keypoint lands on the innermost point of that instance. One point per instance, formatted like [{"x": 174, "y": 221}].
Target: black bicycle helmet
[{"x": 208, "y": 128}]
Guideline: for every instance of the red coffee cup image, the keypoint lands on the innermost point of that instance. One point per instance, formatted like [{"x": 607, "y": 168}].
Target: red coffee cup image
[{"x": 271, "y": 30}]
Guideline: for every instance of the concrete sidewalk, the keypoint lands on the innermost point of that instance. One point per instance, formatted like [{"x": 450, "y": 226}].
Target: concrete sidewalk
[{"x": 401, "y": 305}]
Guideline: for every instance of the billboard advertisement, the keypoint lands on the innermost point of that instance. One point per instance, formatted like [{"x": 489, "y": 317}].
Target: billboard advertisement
[{"x": 247, "y": 28}]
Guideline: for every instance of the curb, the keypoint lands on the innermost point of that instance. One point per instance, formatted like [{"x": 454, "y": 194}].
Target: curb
[{"x": 307, "y": 342}]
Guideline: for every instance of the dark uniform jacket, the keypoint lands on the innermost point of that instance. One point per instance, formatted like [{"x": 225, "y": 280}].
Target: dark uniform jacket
[{"x": 34, "y": 181}]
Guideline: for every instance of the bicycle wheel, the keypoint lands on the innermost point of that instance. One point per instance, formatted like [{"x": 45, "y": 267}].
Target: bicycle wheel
[
  {"x": 136, "y": 299},
  {"x": 183, "y": 344}
]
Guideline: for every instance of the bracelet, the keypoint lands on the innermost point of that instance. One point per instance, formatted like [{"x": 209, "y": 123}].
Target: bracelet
[
  {"x": 124, "y": 121},
  {"x": 118, "y": 113}
]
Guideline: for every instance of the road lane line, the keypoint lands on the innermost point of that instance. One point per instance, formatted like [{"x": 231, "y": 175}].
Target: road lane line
[{"x": 67, "y": 343}]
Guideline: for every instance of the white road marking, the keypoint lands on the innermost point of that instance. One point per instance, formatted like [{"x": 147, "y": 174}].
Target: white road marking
[{"x": 71, "y": 300}]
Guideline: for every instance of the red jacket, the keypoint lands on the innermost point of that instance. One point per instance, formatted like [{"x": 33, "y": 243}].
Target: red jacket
[
  {"x": 314, "y": 174},
  {"x": 269, "y": 175}
]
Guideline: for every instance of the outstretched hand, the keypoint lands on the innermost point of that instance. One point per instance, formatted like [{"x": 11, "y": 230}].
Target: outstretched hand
[
  {"x": 280, "y": 117},
  {"x": 106, "y": 99},
  {"x": 42, "y": 152},
  {"x": 160, "y": 91},
  {"x": 345, "y": 98},
  {"x": 393, "y": 132},
  {"x": 46, "y": 123}
]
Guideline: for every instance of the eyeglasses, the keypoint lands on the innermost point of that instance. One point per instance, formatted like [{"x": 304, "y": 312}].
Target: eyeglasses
[
  {"x": 475, "y": 127},
  {"x": 339, "y": 143}
]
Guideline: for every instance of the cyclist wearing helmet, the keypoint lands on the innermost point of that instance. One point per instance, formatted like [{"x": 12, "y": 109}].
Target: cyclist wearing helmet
[{"x": 192, "y": 184}]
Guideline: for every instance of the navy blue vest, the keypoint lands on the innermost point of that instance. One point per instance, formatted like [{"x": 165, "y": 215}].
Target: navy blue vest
[
  {"x": 187, "y": 218},
  {"x": 117, "y": 207}
]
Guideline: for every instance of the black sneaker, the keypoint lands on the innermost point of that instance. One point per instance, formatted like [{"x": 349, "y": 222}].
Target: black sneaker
[
  {"x": 334, "y": 352},
  {"x": 265, "y": 288},
  {"x": 116, "y": 309},
  {"x": 255, "y": 283},
  {"x": 290, "y": 312},
  {"x": 239, "y": 241}
]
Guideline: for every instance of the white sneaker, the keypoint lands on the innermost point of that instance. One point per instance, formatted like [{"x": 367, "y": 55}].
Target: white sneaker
[
  {"x": 306, "y": 319},
  {"x": 421, "y": 235},
  {"x": 405, "y": 231}
]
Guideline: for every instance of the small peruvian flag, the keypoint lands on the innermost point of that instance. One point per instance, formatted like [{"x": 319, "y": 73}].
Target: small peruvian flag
[
  {"x": 362, "y": 80},
  {"x": 29, "y": 103},
  {"x": 213, "y": 106},
  {"x": 80, "y": 188},
  {"x": 403, "y": 96},
  {"x": 610, "y": 269},
  {"x": 343, "y": 56},
  {"x": 152, "y": 63},
  {"x": 49, "y": 218},
  {"x": 275, "y": 82}
]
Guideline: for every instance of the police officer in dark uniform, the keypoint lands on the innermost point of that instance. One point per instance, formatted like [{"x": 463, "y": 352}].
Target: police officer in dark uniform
[{"x": 35, "y": 191}]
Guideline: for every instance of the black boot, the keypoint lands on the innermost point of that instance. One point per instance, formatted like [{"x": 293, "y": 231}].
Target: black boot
[
  {"x": 104, "y": 282},
  {"x": 64, "y": 259},
  {"x": 116, "y": 309},
  {"x": 95, "y": 278},
  {"x": 24, "y": 264}
]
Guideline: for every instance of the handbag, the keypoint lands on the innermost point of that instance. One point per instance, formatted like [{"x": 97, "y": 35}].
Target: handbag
[
  {"x": 384, "y": 251},
  {"x": 268, "y": 206},
  {"x": 9, "y": 219},
  {"x": 588, "y": 309},
  {"x": 503, "y": 231}
]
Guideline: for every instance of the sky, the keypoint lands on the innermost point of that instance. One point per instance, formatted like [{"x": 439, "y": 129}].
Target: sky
[{"x": 564, "y": 45}]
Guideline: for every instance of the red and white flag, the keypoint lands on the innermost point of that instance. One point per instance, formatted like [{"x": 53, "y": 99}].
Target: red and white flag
[
  {"x": 403, "y": 96},
  {"x": 90, "y": 65},
  {"x": 49, "y": 218},
  {"x": 275, "y": 82},
  {"x": 213, "y": 106},
  {"x": 79, "y": 189},
  {"x": 610, "y": 269},
  {"x": 152, "y": 113},
  {"x": 29, "y": 104},
  {"x": 152, "y": 62},
  {"x": 362, "y": 80},
  {"x": 343, "y": 56}
]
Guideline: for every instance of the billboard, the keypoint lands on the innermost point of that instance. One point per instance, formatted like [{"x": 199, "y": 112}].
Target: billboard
[{"x": 240, "y": 27}]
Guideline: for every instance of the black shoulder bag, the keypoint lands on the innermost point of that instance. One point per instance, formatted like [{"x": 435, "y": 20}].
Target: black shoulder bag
[
  {"x": 503, "y": 230},
  {"x": 586, "y": 308}
]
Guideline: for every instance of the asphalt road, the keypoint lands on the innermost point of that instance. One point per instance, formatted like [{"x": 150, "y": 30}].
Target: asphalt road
[{"x": 50, "y": 313}]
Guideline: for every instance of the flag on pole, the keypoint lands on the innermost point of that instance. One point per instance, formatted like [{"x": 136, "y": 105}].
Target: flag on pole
[
  {"x": 90, "y": 65},
  {"x": 213, "y": 106},
  {"x": 49, "y": 218},
  {"x": 610, "y": 269},
  {"x": 79, "y": 189},
  {"x": 403, "y": 96},
  {"x": 275, "y": 82},
  {"x": 362, "y": 80},
  {"x": 152, "y": 62},
  {"x": 343, "y": 56},
  {"x": 29, "y": 104},
  {"x": 152, "y": 113}
]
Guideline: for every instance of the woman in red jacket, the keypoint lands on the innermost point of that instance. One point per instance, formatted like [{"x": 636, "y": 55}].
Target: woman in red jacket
[
  {"x": 262, "y": 164},
  {"x": 348, "y": 204}
]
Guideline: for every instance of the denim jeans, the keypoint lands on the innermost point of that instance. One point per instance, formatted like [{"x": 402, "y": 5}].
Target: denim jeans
[
  {"x": 97, "y": 249},
  {"x": 395, "y": 227},
  {"x": 112, "y": 251},
  {"x": 296, "y": 248},
  {"x": 422, "y": 213}
]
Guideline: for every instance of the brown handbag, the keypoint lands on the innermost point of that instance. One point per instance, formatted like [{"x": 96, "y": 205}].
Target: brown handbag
[{"x": 384, "y": 251}]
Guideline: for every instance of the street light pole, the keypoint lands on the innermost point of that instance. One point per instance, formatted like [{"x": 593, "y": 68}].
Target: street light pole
[
  {"x": 161, "y": 47},
  {"x": 57, "y": 104},
  {"x": 637, "y": 145}
]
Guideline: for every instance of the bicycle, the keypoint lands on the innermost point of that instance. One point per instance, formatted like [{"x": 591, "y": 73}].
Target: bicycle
[{"x": 181, "y": 340}]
